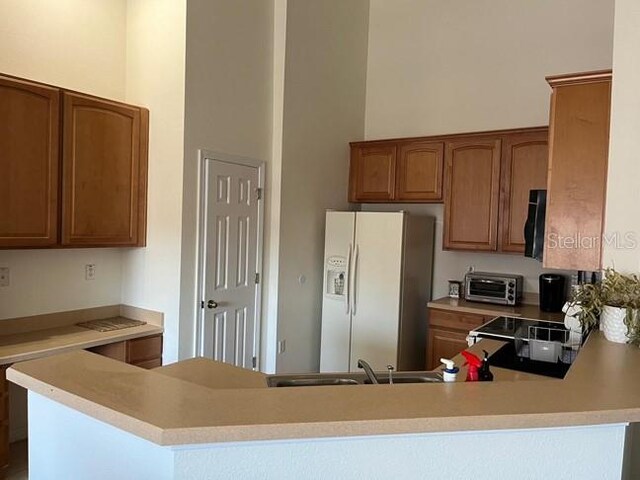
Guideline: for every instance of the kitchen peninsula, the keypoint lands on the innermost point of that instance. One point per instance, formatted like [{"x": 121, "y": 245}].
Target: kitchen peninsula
[{"x": 173, "y": 422}]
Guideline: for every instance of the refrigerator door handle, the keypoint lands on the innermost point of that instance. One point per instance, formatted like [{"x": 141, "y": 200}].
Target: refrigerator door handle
[
  {"x": 355, "y": 280},
  {"x": 347, "y": 297}
]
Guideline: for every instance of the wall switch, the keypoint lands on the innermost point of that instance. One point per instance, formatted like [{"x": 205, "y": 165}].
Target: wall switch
[
  {"x": 282, "y": 346},
  {"x": 5, "y": 279},
  {"x": 90, "y": 271}
]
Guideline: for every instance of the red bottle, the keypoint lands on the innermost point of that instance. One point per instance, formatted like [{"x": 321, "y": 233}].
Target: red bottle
[{"x": 474, "y": 364}]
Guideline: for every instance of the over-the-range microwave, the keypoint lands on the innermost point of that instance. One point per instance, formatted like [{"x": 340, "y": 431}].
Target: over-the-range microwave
[{"x": 499, "y": 288}]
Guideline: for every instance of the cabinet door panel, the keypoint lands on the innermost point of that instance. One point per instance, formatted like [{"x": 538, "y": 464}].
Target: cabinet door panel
[
  {"x": 579, "y": 142},
  {"x": 524, "y": 167},
  {"x": 117, "y": 351},
  {"x": 420, "y": 172},
  {"x": 444, "y": 344},
  {"x": 472, "y": 190},
  {"x": 373, "y": 173},
  {"x": 103, "y": 172},
  {"x": 29, "y": 160},
  {"x": 143, "y": 349}
]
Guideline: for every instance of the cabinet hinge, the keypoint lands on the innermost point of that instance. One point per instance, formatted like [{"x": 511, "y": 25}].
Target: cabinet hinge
[
  {"x": 257, "y": 278},
  {"x": 254, "y": 362},
  {"x": 258, "y": 193}
]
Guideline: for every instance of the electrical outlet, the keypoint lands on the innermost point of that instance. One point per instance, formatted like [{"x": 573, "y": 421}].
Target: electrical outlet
[
  {"x": 282, "y": 346},
  {"x": 90, "y": 271},
  {"x": 5, "y": 279}
]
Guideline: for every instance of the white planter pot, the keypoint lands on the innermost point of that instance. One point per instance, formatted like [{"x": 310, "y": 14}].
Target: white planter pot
[{"x": 612, "y": 324}]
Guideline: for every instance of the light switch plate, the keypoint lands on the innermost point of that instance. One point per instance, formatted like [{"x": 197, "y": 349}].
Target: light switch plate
[{"x": 5, "y": 279}]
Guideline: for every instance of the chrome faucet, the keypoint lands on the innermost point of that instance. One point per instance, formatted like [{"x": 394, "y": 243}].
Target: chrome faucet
[
  {"x": 390, "y": 369},
  {"x": 368, "y": 371}
]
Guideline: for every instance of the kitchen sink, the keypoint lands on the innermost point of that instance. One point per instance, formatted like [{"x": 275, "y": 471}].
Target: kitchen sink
[
  {"x": 334, "y": 379},
  {"x": 312, "y": 382},
  {"x": 426, "y": 377}
]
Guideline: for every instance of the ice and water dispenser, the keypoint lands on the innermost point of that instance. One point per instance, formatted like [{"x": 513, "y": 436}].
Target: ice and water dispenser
[{"x": 336, "y": 271}]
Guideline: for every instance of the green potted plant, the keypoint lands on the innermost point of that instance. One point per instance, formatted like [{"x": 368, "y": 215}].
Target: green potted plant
[{"x": 614, "y": 303}]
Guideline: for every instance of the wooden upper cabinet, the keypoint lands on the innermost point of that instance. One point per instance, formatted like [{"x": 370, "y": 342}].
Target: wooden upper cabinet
[
  {"x": 524, "y": 168},
  {"x": 29, "y": 161},
  {"x": 576, "y": 191},
  {"x": 104, "y": 172},
  {"x": 472, "y": 187},
  {"x": 373, "y": 173},
  {"x": 419, "y": 175}
]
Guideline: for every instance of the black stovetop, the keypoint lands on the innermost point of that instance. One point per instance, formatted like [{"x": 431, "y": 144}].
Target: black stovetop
[{"x": 515, "y": 333}]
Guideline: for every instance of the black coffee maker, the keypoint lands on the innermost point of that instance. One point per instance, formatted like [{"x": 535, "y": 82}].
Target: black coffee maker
[{"x": 552, "y": 295}]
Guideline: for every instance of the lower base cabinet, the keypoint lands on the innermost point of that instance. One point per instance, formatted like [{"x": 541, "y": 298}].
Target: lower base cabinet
[
  {"x": 447, "y": 334},
  {"x": 145, "y": 352},
  {"x": 444, "y": 344}
]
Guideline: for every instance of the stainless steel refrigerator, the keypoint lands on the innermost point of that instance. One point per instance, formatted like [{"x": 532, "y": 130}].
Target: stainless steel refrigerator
[{"x": 377, "y": 282}]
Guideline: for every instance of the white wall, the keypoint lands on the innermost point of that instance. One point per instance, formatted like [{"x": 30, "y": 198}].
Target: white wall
[
  {"x": 271, "y": 262},
  {"x": 447, "y": 67},
  {"x": 77, "y": 44},
  {"x": 57, "y": 433},
  {"x": 155, "y": 78},
  {"x": 228, "y": 110},
  {"x": 623, "y": 194},
  {"x": 324, "y": 94}
]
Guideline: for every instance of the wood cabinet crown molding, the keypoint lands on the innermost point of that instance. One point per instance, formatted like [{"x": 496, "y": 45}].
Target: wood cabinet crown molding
[
  {"x": 577, "y": 78},
  {"x": 450, "y": 136}
]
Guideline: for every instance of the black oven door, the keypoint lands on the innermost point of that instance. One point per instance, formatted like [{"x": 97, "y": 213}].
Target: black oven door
[{"x": 487, "y": 288}]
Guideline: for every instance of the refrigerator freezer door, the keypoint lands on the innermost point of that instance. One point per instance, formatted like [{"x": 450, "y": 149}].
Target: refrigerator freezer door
[
  {"x": 336, "y": 319},
  {"x": 377, "y": 280}
]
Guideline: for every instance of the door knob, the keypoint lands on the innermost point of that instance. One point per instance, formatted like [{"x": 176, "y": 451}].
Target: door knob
[{"x": 212, "y": 304}]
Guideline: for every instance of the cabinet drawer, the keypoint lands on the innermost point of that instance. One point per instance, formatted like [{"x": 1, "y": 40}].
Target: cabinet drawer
[
  {"x": 455, "y": 320},
  {"x": 142, "y": 349},
  {"x": 148, "y": 364}
]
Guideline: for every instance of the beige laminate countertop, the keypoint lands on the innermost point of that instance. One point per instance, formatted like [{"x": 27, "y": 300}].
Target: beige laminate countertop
[
  {"x": 526, "y": 311},
  {"x": 600, "y": 388},
  {"x": 19, "y": 347},
  {"x": 207, "y": 373}
]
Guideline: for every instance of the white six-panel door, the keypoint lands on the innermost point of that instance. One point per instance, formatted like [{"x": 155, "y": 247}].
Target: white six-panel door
[
  {"x": 376, "y": 280},
  {"x": 228, "y": 325}
]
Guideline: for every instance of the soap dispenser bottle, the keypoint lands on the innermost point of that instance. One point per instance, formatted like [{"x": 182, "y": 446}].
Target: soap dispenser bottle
[{"x": 450, "y": 372}]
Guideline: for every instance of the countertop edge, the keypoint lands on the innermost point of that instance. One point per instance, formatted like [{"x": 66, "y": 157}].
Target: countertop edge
[
  {"x": 405, "y": 426},
  {"x": 99, "y": 412}
]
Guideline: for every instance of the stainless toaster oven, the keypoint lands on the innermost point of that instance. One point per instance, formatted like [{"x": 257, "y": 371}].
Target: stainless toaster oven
[{"x": 499, "y": 288}]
